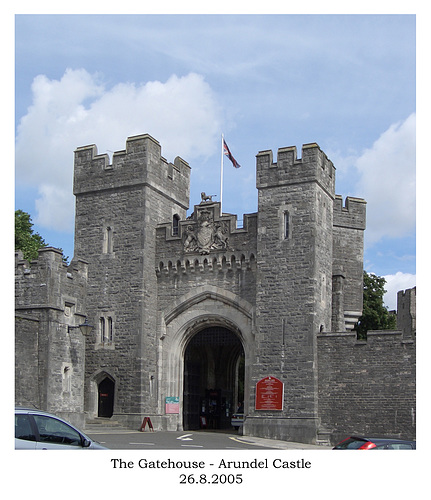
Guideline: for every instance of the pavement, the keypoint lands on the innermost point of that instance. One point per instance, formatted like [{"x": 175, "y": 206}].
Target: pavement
[
  {"x": 282, "y": 445},
  {"x": 97, "y": 431}
]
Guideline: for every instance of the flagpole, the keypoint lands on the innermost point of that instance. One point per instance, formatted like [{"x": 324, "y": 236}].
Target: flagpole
[{"x": 221, "y": 175}]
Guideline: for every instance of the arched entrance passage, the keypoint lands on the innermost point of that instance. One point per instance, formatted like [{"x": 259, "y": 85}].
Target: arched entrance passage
[
  {"x": 203, "y": 308},
  {"x": 213, "y": 378}
]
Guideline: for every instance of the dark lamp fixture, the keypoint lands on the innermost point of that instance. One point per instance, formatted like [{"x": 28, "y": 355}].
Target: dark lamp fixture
[{"x": 85, "y": 328}]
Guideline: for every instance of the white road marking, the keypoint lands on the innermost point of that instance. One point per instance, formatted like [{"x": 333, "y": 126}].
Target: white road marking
[
  {"x": 185, "y": 437},
  {"x": 243, "y": 442},
  {"x": 148, "y": 444}
]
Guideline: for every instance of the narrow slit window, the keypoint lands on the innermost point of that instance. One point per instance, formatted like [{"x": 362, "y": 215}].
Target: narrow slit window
[
  {"x": 286, "y": 225},
  {"x": 109, "y": 239},
  {"x": 102, "y": 330},
  {"x": 110, "y": 330}
]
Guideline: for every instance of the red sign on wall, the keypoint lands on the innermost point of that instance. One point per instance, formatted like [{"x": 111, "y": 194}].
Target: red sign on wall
[{"x": 269, "y": 394}]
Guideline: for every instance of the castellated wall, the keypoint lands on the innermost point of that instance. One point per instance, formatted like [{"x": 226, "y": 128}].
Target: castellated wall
[
  {"x": 348, "y": 260},
  {"x": 406, "y": 311},
  {"x": 118, "y": 206},
  {"x": 140, "y": 163},
  {"x": 367, "y": 387},
  {"x": 294, "y": 294},
  {"x": 49, "y": 360},
  {"x": 313, "y": 166},
  {"x": 203, "y": 279},
  {"x": 232, "y": 268}
]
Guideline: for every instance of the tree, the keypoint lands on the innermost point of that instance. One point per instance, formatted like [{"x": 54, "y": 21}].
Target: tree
[
  {"x": 26, "y": 239},
  {"x": 375, "y": 316}
]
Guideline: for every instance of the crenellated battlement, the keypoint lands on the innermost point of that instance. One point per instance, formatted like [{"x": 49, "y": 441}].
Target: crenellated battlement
[
  {"x": 378, "y": 374},
  {"x": 352, "y": 214},
  {"x": 406, "y": 311},
  {"x": 205, "y": 240},
  {"x": 48, "y": 282},
  {"x": 141, "y": 163},
  {"x": 314, "y": 166},
  {"x": 230, "y": 261},
  {"x": 197, "y": 299},
  {"x": 50, "y": 297}
]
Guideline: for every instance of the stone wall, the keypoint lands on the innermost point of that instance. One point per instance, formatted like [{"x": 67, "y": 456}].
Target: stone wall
[
  {"x": 406, "y": 312},
  {"x": 49, "y": 357},
  {"x": 348, "y": 257},
  {"x": 231, "y": 267},
  {"x": 367, "y": 387},
  {"x": 294, "y": 288},
  {"x": 118, "y": 206},
  {"x": 149, "y": 278}
]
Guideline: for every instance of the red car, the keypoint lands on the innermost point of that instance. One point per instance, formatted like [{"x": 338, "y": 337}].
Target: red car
[{"x": 365, "y": 443}]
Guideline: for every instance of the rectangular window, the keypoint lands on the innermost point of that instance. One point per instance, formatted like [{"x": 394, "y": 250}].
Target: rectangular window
[
  {"x": 106, "y": 331},
  {"x": 108, "y": 244},
  {"x": 175, "y": 225}
]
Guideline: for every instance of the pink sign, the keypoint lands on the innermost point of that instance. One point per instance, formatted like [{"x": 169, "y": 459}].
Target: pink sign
[{"x": 269, "y": 394}]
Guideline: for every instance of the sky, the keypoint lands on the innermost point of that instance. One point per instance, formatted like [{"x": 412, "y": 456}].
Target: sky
[{"x": 346, "y": 82}]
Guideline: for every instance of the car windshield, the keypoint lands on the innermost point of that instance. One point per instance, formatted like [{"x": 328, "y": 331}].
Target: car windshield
[{"x": 350, "y": 444}]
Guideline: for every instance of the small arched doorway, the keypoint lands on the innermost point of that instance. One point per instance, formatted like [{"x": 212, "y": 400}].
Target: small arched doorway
[
  {"x": 213, "y": 379},
  {"x": 106, "y": 389}
]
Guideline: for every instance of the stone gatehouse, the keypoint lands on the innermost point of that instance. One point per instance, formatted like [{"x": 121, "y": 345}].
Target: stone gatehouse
[{"x": 190, "y": 313}]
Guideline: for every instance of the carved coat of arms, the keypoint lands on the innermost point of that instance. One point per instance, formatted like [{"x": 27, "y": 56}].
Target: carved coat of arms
[{"x": 206, "y": 235}]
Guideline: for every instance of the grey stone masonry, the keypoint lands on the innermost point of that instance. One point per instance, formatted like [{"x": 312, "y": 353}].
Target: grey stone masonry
[
  {"x": 49, "y": 357},
  {"x": 406, "y": 312},
  {"x": 294, "y": 294},
  {"x": 348, "y": 257},
  {"x": 118, "y": 206},
  {"x": 192, "y": 313},
  {"x": 367, "y": 387},
  {"x": 156, "y": 276}
]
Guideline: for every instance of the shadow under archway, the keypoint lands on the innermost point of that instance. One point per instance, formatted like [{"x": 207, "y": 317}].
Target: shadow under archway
[{"x": 213, "y": 379}]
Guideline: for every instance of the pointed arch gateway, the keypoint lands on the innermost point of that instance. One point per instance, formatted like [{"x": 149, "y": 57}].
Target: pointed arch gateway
[
  {"x": 213, "y": 386},
  {"x": 207, "y": 345}
]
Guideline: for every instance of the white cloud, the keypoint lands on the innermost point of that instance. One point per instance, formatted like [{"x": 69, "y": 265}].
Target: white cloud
[
  {"x": 388, "y": 182},
  {"x": 53, "y": 209},
  {"x": 181, "y": 113},
  {"x": 395, "y": 283}
]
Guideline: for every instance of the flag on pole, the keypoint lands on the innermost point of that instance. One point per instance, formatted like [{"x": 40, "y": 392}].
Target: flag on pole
[{"x": 227, "y": 152}]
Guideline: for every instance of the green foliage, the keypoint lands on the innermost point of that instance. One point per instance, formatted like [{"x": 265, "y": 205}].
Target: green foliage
[
  {"x": 26, "y": 239},
  {"x": 375, "y": 316}
]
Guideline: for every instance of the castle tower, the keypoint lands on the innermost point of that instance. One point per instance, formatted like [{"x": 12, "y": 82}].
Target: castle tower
[
  {"x": 50, "y": 302},
  {"x": 193, "y": 314},
  {"x": 294, "y": 291},
  {"x": 118, "y": 206}
]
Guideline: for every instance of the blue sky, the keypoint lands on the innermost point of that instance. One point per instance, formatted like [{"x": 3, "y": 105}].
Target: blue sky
[{"x": 347, "y": 82}]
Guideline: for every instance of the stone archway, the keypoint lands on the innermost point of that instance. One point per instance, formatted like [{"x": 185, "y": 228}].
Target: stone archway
[
  {"x": 204, "y": 308},
  {"x": 212, "y": 383},
  {"x": 102, "y": 394}
]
